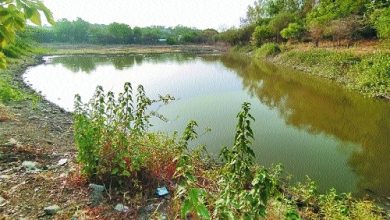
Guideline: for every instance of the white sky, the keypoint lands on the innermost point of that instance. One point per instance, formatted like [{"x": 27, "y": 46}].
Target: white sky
[{"x": 193, "y": 13}]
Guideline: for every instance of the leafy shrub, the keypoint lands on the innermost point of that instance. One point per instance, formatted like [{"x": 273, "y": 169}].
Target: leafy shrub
[
  {"x": 381, "y": 20},
  {"x": 268, "y": 49},
  {"x": 281, "y": 21},
  {"x": 373, "y": 75},
  {"x": 294, "y": 31},
  {"x": 8, "y": 93},
  {"x": 111, "y": 134},
  {"x": 261, "y": 35},
  {"x": 242, "y": 189}
]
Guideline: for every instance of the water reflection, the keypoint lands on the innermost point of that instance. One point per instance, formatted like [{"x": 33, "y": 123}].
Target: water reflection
[
  {"x": 318, "y": 106},
  {"x": 89, "y": 63}
]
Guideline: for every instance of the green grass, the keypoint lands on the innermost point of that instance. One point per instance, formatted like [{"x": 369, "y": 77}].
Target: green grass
[
  {"x": 267, "y": 50},
  {"x": 368, "y": 73},
  {"x": 372, "y": 75},
  {"x": 19, "y": 55},
  {"x": 8, "y": 92}
]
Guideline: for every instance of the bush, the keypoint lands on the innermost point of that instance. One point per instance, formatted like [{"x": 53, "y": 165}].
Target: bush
[
  {"x": 267, "y": 50},
  {"x": 345, "y": 28},
  {"x": 111, "y": 137},
  {"x": 8, "y": 93},
  {"x": 241, "y": 189},
  {"x": 294, "y": 31},
  {"x": 281, "y": 21},
  {"x": 373, "y": 75},
  {"x": 381, "y": 21},
  {"x": 261, "y": 35}
]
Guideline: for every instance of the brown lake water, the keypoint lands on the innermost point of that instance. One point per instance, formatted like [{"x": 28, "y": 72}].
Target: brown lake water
[{"x": 310, "y": 125}]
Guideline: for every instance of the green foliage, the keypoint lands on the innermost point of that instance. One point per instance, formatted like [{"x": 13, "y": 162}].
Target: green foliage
[
  {"x": 240, "y": 158},
  {"x": 193, "y": 197},
  {"x": 236, "y": 36},
  {"x": 14, "y": 14},
  {"x": 334, "y": 206},
  {"x": 195, "y": 202},
  {"x": 381, "y": 20},
  {"x": 270, "y": 8},
  {"x": 8, "y": 93},
  {"x": 330, "y": 19},
  {"x": 235, "y": 199},
  {"x": 281, "y": 21},
  {"x": 261, "y": 35},
  {"x": 110, "y": 133},
  {"x": 80, "y": 31},
  {"x": 373, "y": 75},
  {"x": 369, "y": 74},
  {"x": 326, "y": 63},
  {"x": 243, "y": 188},
  {"x": 294, "y": 31},
  {"x": 122, "y": 33},
  {"x": 267, "y": 50}
]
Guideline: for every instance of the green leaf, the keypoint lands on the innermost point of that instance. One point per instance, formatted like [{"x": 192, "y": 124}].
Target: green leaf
[
  {"x": 186, "y": 207},
  {"x": 203, "y": 212},
  {"x": 194, "y": 194},
  {"x": 115, "y": 171},
  {"x": 35, "y": 17}
]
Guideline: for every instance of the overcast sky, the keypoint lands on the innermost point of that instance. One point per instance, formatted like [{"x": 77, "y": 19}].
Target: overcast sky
[{"x": 194, "y": 13}]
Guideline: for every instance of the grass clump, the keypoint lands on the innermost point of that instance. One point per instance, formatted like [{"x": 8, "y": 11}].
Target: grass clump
[
  {"x": 326, "y": 63},
  {"x": 372, "y": 75},
  {"x": 267, "y": 50},
  {"x": 8, "y": 92},
  {"x": 367, "y": 73}
]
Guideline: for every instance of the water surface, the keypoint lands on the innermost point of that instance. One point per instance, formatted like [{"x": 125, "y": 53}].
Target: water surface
[{"x": 312, "y": 126}]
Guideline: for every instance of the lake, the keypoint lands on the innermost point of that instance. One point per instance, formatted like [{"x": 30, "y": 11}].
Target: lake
[{"x": 310, "y": 125}]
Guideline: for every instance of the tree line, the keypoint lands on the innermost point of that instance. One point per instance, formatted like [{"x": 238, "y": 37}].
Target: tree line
[
  {"x": 81, "y": 31},
  {"x": 311, "y": 20}
]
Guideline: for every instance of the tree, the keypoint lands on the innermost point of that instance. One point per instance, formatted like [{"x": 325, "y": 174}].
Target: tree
[
  {"x": 62, "y": 30},
  {"x": 137, "y": 34},
  {"x": 80, "y": 31},
  {"x": 208, "y": 35},
  {"x": 344, "y": 28},
  {"x": 294, "y": 31},
  {"x": 121, "y": 33},
  {"x": 14, "y": 14},
  {"x": 381, "y": 21},
  {"x": 281, "y": 21},
  {"x": 261, "y": 35}
]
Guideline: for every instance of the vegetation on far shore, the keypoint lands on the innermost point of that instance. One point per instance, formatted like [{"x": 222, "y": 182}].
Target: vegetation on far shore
[
  {"x": 295, "y": 32},
  {"x": 367, "y": 72}
]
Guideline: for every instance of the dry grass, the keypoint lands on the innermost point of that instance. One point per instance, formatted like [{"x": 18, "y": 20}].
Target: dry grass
[
  {"x": 358, "y": 47},
  {"x": 4, "y": 114}
]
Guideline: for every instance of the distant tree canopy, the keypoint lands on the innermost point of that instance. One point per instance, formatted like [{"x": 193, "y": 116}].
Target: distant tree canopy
[
  {"x": 295, "y": 20},
  {"x": 80, "y": 31},
  {"x": 14, "y": 14}
]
